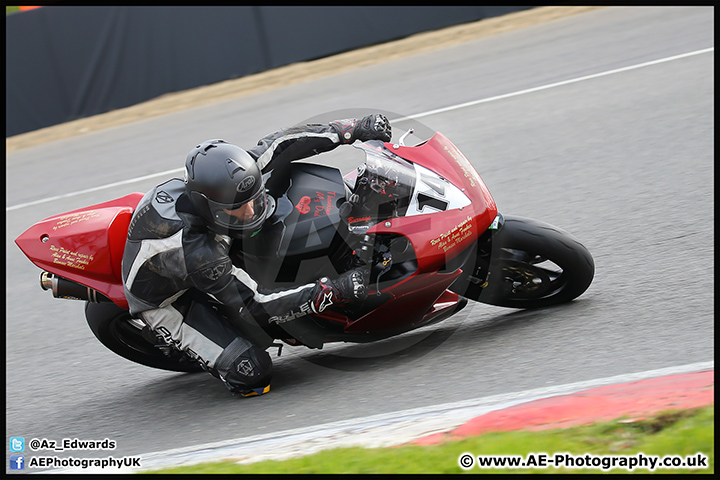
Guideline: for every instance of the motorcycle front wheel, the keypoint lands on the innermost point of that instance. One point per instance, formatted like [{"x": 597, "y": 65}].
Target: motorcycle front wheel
[
  {"x": 534, "y": 264},
  {"x": 118, "y": 331}
]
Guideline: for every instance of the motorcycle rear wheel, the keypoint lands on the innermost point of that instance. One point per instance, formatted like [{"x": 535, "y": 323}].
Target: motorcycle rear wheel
[
  {"x": 118, "y": 331},
  {"x": 535, "y": 264}
]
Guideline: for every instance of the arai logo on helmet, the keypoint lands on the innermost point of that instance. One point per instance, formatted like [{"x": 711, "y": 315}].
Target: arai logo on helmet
[{"x": 246, "y": 184}]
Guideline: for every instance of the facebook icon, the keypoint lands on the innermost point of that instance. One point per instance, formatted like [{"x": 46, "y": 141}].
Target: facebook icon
[{"x": 17, "y": 462}]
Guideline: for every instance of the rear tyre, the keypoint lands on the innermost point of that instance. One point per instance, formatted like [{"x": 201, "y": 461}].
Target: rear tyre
[{"x": 118, "y": 331}]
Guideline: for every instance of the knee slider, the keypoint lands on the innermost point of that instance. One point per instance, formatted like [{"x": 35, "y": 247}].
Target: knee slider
[{"x": 244, "y": 367}]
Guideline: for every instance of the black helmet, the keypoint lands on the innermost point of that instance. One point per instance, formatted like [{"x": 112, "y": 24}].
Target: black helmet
[{"x": 221, "y": 177}]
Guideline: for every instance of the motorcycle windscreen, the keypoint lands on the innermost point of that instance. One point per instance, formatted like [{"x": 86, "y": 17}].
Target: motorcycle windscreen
[{"x": 383, "y": 187}]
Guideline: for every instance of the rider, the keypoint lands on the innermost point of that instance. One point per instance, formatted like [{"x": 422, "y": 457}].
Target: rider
[{"x": 178, "y": 252}]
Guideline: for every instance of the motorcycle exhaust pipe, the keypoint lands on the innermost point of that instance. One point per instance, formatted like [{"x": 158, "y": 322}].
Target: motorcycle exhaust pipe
[{"x": 64, "y": 288}]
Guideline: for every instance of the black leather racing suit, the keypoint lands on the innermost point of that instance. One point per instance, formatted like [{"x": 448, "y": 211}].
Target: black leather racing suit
[{"x": 172, "y": 262}]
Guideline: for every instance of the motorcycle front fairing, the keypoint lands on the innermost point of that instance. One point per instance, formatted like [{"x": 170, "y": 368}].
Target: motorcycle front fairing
[
  {"x": 449, "y": 204},
  {"x": 449, "y": 208}
]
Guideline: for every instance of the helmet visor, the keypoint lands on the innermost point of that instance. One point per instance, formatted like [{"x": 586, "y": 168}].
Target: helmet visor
[{"x": 250, "y": 214}]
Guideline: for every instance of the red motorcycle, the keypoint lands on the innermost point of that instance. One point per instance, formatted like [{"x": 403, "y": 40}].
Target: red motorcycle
[{"x": 420, "y": 216}]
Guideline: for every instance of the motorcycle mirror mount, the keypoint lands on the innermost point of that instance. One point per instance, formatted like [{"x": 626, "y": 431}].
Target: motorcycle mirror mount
[{"x": 401, "y": 142}]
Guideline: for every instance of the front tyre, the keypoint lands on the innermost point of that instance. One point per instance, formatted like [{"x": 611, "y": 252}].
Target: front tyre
[
  {"x": 535, "y": 264},
  {"x": 118, "y": 331}
]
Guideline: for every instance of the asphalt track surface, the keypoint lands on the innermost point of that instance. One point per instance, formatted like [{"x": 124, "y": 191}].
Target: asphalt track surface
[{"x": 623, "y": 161}]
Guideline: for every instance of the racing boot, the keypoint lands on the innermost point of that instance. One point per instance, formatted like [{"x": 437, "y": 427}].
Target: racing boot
[{"x": 337, "y": 294}]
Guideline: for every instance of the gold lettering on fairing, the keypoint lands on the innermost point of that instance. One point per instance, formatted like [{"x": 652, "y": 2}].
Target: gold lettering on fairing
[
  {"x": 450, "y": 239},
  {"x": 68, "y": 220},
  {"x": 66, "y": 258}
]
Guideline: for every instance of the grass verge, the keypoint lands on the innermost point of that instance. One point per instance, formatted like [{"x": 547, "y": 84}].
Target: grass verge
[{"x": 674, "y": 433}]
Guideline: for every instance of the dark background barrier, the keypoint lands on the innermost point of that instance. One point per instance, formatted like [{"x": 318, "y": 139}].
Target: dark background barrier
[{"x": 65, "y": 63}]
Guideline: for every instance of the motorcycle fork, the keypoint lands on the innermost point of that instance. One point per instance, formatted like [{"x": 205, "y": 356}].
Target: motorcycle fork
[{"x": 480, "y": 273}]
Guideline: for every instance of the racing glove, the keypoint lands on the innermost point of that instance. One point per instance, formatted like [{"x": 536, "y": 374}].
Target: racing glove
[
  {"x": 336, "y": 294},
  {"x": 371, "y": 127}
]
